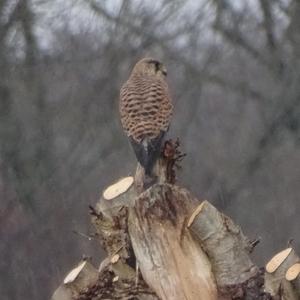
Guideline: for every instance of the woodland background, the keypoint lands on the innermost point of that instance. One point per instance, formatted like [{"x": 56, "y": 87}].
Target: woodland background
[{"x": 234, "y": 75}]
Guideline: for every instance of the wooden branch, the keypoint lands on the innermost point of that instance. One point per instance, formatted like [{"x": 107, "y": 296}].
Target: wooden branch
[
  {"x": 232, "y": 33},
  {"x": 276, "y": 269},
  {"x": 82, "y": 276},
  {"x": 110, "y": 286},
  {"x": 164, "y": 168},
  {"x": 242, "y": 88},
  {"x": 293, "y": 276},
  {"x": 268, "y": 23},
  {"x": 85, "y": 283},
  {"x": 109, "y": 218},
  {"x": 224, "y": 243},
  {"x": 170, "y": 260},
  {"x": 228, "y": 251},
  {"x": 13, "y": 18},
  {"x": 118, "y": 278},
  {"x": 159, "y": 175}
]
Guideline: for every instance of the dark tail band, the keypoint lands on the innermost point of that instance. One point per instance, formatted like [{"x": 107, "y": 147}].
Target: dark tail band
[{"x": 147, "y": 151}]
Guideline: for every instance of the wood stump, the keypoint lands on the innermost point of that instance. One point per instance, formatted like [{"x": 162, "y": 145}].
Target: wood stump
[
  {"x": 163, "y": 243},
  {"x": 169, "y": 258}
]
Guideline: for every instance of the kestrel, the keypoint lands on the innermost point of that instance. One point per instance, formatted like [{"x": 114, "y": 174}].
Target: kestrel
[{"x": 146, "y": 110}]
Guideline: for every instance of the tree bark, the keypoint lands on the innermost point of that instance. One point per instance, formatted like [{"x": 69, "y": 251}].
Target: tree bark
[
  {"x": 228, "y": 251},
  {"x": 169, "y": 258},
  {"x": 224, "y": 243}
]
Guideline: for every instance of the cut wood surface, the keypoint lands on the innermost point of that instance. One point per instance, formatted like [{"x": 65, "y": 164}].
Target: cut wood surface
[
  {"x": 293, "y": 276},
  {"x": 117, "y": 195},
  {"x": 118, "y": 188},
  {"x": 293, "y": 272},
  {"x": 170, "y": 260},
  {"x": 275, "y": 276},
  {"x": 76, "y": 272},
  {"x": 76, "y": 281},
  {"x": 224, "y": 243},
  {"x": 277, "y": 260}
]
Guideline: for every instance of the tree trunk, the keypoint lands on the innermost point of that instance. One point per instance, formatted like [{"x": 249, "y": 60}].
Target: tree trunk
[{"x": 169, "y": 258}]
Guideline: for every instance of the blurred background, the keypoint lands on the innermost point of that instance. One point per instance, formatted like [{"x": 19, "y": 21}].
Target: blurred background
[{"x": 234, "y": 75}]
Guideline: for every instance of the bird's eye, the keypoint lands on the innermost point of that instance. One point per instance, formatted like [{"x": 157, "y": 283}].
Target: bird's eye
[{"x": 157, "y": 66}]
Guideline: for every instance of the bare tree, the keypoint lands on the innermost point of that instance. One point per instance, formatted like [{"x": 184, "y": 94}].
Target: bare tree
[{"x": 233, "y": 74}]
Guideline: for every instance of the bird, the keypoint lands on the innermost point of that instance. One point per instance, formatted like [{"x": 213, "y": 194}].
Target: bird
[{"x": 146, "y": 109}]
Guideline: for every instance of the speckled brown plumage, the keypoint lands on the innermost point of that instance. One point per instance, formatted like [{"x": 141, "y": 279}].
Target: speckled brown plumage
[{"x": 146, "y": 109}]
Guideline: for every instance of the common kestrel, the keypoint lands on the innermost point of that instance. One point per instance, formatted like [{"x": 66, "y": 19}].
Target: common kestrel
[{"x": 146, "y": 110}]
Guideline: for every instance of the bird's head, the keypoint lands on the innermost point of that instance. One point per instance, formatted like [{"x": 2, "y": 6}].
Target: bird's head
[{"x": 150, "y": 66}]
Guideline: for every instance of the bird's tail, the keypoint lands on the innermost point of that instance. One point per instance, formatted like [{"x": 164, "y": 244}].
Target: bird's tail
[{"x": 147, "y": 152}]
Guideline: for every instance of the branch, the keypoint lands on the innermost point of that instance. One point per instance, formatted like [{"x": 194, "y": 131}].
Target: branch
[
  {"x": 83, "y": 275},
  {"x": 281, "y": 120},
  {"x": 224, "y": 243},
  {"x": 238, "y": 87},
  {"x": 293, "y": 276},
  {"x": 27, "y": 18},
  {"x": 15, "y": 15},
  {"x": 276, "y": 269},
  {"x": 228, "y": 252},
  {"x": 233, "y": 35},
  {"x": 268, "y": 23}
]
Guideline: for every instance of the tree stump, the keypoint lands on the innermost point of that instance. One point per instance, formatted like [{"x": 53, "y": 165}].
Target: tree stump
[
  {"x": 170, "y": 260},
  {"x": 163, "y": 243}
]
